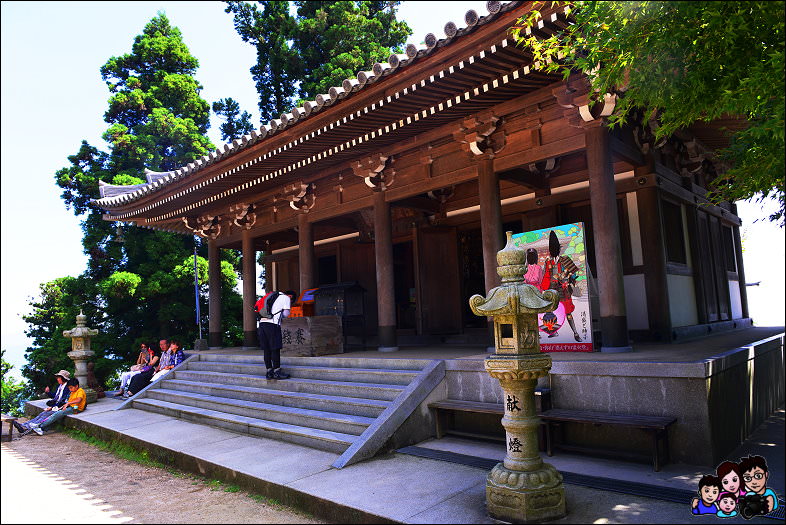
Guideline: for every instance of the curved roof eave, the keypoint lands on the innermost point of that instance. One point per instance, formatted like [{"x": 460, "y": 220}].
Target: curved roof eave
[{"x": 113, "y": 196}]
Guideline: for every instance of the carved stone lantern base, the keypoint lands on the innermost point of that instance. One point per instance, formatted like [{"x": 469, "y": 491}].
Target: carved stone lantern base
[
  {"x": 90, "y": 395},
  {"x": 522, "y": 497}
]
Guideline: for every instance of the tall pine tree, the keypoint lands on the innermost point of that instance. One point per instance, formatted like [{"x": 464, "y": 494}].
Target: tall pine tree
[
  {"x": 138, "y": 285},
  {"x": 324, "y": 43},
  {"x": 236, "y": 124}
]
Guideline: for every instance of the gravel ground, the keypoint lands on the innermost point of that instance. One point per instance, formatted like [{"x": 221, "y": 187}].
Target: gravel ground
[{"x": 58, "y": 479}]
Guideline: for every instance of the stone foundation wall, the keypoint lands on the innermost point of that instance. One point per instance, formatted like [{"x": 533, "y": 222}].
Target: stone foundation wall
[{"x": 718, "y": 402}]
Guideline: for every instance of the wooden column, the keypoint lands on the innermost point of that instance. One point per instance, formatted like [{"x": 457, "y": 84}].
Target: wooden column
[
  {"x": 383, "y": 255},
  {"x": 490, "y": 219},
  {"x": 740, "y": 267},
  {"x": 214, "y": 299},
  {"x": 270, "y": 285},
  {"x": 654, "y": 255},
  {"x": 605, "y": 222},
  {"x": 249, "y": 290},
  {"x": 305, "y": 251}
]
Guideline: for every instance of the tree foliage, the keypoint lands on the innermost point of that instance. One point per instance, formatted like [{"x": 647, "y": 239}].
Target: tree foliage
[
  {"x": 139, "y": 284},
  {"x": 317, "y": 48},
  {"x": 269, "y": 30},
  {"x": 235, "y": 124},
  {"x": 11, "y": 390},
  {"x": 685, "y": 62}
]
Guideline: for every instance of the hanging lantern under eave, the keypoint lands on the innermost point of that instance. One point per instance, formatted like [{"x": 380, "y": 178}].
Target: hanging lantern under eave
[{"x": 119, "y": 238}]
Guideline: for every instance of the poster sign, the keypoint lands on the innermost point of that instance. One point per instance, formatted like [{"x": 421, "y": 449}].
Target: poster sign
[{"x": 556, "y": 260}]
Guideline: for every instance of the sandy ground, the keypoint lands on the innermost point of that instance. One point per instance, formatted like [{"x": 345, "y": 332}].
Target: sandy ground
[{"x": 58, "y": 479}]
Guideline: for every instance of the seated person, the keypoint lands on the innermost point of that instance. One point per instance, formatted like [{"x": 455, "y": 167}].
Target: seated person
[
  {"x": 145, "y": 357},
  {"x": 59, "y": 399},
  {"x": 142, "y": 379},
  {"x": 175, "y": 357},
  {"x": 76, "y": 403}
]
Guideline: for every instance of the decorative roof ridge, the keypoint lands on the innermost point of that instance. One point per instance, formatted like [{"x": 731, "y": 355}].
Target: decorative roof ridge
[{"x": 349, "y": 86}]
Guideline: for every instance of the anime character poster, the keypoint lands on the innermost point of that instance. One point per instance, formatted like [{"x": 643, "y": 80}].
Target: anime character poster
[{"x": 556, "y": 260}]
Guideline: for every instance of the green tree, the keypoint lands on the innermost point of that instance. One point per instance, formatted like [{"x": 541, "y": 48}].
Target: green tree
[
  {"x": 11, "y": 389},
  {"x": 336, "y": 40},
  {"x": 138, "y": 285},
  {"x": 326, "y": 42},
  {"x": 235, "y": 124},
  {"x": 685, "y": 62},
  {"x": 269, "y": 29}
]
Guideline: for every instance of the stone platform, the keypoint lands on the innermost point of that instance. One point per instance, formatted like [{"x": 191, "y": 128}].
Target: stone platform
[
  {"x": 699, "y": 382},
  {"x": 394, "y": 488}
]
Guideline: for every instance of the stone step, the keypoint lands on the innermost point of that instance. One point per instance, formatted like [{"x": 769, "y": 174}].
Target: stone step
[
  {"x": 334, "y": 362},
  {"x": 355, "y": 375},
  {"x": 323, "y": 420},
  {"x": 314, "y": 386},
  {"x": 311, "y": 437},
  {"x": 340, "y": 404}
]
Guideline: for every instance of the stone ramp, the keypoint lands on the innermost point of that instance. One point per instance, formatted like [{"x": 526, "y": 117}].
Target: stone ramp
[
  {"x": 351, "y": 406},
  {"x": 392, "y": 488}
]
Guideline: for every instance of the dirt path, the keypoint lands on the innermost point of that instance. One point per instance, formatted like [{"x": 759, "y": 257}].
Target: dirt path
[{"x": 58, "y": 479}]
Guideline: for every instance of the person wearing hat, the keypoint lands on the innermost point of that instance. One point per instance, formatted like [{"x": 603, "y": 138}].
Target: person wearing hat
[
  {"x": 58, "y": 400},
  {"x": 77, "y": 401}
]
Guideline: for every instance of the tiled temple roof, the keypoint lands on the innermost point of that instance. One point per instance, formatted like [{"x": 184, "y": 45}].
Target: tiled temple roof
[{"x": 115, "y": 195}]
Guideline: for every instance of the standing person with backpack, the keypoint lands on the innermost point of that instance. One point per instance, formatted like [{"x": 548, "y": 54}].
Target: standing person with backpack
[{"x": 270, "y": 310}]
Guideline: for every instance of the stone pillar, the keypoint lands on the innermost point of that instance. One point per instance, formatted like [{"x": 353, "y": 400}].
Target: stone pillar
[
  {"x": 214, "y": 298},
  {"x": 606, "y": 234},
  {"x": 522, "y": 488},
  {"x": 306, "y": 251},
  {"x": 81, "y": 354},
  {"x": 383, "y": 256},
  {"x": 249, "y": 291}
]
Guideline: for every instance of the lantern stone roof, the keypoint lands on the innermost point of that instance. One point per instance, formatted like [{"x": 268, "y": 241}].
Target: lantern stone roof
[{"x": 113, "y": 196}]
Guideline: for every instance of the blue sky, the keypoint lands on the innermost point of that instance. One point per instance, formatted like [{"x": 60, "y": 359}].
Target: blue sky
[{"x": 53, "y": 97}]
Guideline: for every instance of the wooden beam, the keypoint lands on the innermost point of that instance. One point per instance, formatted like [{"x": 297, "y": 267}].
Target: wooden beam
[
  {"x": 623, "y": 151},
  {"x": 418, "y": 203},
  {"x": 526, "y": 178}
]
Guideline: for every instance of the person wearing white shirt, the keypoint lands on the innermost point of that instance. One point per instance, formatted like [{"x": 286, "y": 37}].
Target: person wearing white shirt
[{"x": 269, "y": 332}]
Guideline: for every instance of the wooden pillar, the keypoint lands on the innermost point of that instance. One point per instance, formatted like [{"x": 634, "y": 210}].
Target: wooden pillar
[
  {"x": 214, "y": 299},
  {"x": 654, "y": 255},
  {"x": 608, "y": 256},
  {"x": 490, "y": 219},
  {"x": 249, "y": 290},
  {"x": 305, "y": 252},
  {"x": 383, "y": 254},
  {"x": 270, "y": 284},
  {"x": 740, "y": 268}
]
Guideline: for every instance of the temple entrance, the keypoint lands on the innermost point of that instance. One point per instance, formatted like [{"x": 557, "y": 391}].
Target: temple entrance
[
  {"x": 404, "y": 285},
  {"x": 472, "y": 282}
]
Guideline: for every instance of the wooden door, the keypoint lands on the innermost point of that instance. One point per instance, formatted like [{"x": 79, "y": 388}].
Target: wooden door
[
  {"x": 719, "y": 267},
  {"x": 439, "y": 280},
  {"x": 710, "y": 268}
]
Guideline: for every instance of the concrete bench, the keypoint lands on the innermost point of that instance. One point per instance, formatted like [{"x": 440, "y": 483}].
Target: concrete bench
[
  {"x": 656, "y": 426},
  {"x": 445, "y": 409},
  {"x": 9, "y": 420}
]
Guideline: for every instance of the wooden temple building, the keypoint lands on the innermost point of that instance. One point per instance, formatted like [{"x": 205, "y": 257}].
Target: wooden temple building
[{"x": 405, "y": 178}]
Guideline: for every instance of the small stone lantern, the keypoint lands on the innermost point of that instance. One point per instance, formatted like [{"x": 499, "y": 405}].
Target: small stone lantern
[
  {"x": 81, "y": 353},
  {"x": 522, "y": 488}
]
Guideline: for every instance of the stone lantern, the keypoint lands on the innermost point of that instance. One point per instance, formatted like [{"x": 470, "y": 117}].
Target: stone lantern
[
  {"x": 81, "y": 353},
  {"x": 523, "y": 488}
]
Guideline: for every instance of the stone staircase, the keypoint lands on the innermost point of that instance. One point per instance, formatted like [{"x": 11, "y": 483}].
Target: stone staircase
[{"x": 333, "y": 404}]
